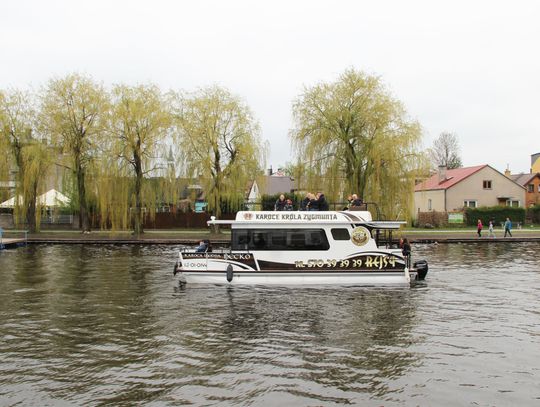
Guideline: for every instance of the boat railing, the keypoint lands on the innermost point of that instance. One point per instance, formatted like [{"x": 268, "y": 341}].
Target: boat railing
[
  {"x": 191, "y": 249},
  {"x": 372, "y": 207}
]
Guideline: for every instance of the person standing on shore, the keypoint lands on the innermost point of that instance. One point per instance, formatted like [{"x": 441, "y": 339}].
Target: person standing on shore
[
  {"x": 491, "y": 233},
  {"x": 479, "y": 228},
  {"x": 508, "y": 227}
]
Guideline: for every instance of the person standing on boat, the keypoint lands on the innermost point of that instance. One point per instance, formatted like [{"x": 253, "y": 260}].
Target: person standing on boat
[
  {"x": 508, "y": 227},
  {"x": 406, "y": 250},
  {"x": 479, "y": 228},
  {"x": 491, "y": 233},
  {"x": 280, "y": 203}
]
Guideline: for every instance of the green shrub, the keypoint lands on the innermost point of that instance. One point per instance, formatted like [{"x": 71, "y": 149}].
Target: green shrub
[
  {"x": 533, "y": 213},
  {"x": 498, "y": 213}
]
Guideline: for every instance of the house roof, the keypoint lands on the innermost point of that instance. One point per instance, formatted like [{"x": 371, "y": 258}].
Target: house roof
[
  {"x": 452, "y": 178},
  {"x": 273, "y": 184},
  {"x": 524, "y": 179},
  {"x": 49, "y": 198}
]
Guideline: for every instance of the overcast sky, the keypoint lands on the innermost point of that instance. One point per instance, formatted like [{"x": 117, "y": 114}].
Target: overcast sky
[{"x": 469, "y": 67}]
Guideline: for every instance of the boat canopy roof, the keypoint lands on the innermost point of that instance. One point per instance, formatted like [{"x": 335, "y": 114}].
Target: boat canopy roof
[{"x": 296, "y": 218}]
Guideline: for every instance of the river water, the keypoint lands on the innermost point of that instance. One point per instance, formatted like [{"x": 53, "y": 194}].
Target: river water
[{"x": 101, "y": 325}]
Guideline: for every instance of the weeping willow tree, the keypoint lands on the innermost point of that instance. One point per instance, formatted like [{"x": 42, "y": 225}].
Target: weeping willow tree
[
  {"x": 221, "y": 145},
  {"x": 357, "y": 138},
  {"x": 140, "y": 121},
  {"x": 26, "y": 152},
  {"x": 74, "y": 112}
]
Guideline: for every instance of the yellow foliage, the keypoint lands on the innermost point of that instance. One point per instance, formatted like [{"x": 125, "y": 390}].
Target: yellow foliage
[
  {"x": 221, "y": 145},
  {"x": 356, "y": 138}
]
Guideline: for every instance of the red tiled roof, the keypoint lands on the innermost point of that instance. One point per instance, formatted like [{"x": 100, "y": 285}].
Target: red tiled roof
[{"x": 452, "y": 178}]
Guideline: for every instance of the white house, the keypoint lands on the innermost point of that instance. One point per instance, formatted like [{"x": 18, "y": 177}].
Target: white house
[{"x": 452, "y": 190}]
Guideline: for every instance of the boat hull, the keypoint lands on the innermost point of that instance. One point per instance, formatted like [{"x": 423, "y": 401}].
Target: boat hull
[{"x": 299, "y": 279}]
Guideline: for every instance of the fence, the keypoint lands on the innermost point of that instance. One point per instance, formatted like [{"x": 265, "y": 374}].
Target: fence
[{"x": 172, "y": 220}]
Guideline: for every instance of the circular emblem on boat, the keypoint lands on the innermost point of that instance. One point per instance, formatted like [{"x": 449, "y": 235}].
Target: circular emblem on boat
[
  {"x": 248, "y": 216},
  {"x": 360, "y": 236}
]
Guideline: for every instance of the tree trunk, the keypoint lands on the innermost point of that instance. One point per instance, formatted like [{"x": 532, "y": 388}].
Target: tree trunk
[
  {"x": 84, "y": 218},
  {"x": 31, "y": 209},
  {"x": 137, "y": 222}
]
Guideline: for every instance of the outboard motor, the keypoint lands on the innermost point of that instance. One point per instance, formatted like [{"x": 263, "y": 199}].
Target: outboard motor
[{"x": 421, "y": 267}]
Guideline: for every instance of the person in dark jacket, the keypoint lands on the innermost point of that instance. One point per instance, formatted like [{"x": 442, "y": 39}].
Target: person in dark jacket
[
  {"x": 289, "y": 205},
  {"x": 280, "y": 203},
  {"x": 406, "y": 250},
  {"x": 305, "y": 203},
  {"x": 203, "y": 247},
  {"x": 356, "y": 201},
  {"x": 313, "y": 204},
  {"x": 322, "y": 204}
]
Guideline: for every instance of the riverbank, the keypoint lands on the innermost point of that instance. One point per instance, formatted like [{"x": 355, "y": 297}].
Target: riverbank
[
  {"x": 193, "y": 236},
  {"x": 469, "y": 235}
]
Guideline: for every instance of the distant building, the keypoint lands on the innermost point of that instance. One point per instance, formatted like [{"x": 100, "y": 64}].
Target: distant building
[
  {"x": 269, "y": 185},
  {"x": 453, "y": 190},
  {"x": 535, "y": 163},
  {"x": 531, "y": 183}
]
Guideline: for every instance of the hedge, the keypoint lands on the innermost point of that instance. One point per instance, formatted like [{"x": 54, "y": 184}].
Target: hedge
[
  {"x": 533, "y": 213},
  {"x": 498, "y": 213},
  {"x": 432, "y": 218}
]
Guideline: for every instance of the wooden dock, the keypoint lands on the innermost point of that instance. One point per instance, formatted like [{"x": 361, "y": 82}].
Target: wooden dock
[{"x": 6, "y": 243}]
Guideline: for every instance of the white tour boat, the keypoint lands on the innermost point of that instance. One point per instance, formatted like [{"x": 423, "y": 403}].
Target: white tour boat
[{"x": 303, "y": 248}]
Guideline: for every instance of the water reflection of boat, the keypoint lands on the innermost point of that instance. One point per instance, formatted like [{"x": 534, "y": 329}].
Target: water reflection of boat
[{"x": 303, "y": 248}]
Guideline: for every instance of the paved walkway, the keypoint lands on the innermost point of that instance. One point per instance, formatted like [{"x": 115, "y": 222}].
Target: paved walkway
[{"x": 461, "y": 235}]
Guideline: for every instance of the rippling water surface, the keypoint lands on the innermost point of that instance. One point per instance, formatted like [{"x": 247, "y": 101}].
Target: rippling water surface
[{"x": 109, "y": 325}]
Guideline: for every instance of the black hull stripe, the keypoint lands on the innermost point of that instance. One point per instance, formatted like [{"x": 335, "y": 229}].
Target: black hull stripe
[{"x": 393, "y": 272}]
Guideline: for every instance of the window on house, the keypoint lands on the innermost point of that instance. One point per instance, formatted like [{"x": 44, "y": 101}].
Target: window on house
[
  {"x": 487, "y": 184},
  {"x": 512, "y": 203},
  {"x": 469, "y": 203},
  {"x": 530, "y": 187},
  {"x": 429, "y": 204}
]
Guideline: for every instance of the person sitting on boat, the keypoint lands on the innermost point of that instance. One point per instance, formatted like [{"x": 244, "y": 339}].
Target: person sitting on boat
[
  {"x": 356, "y": 202},
  {"x": 322, "y": 204},
  {"x": 203, "y": 246},
  {"x": 304, "y": 203},
  {"x": 280, "y": 203},
  {"x": 289, "y": 205},
  {"x": 349, "y": 202},
  {"x": 313, "y": 204}
]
